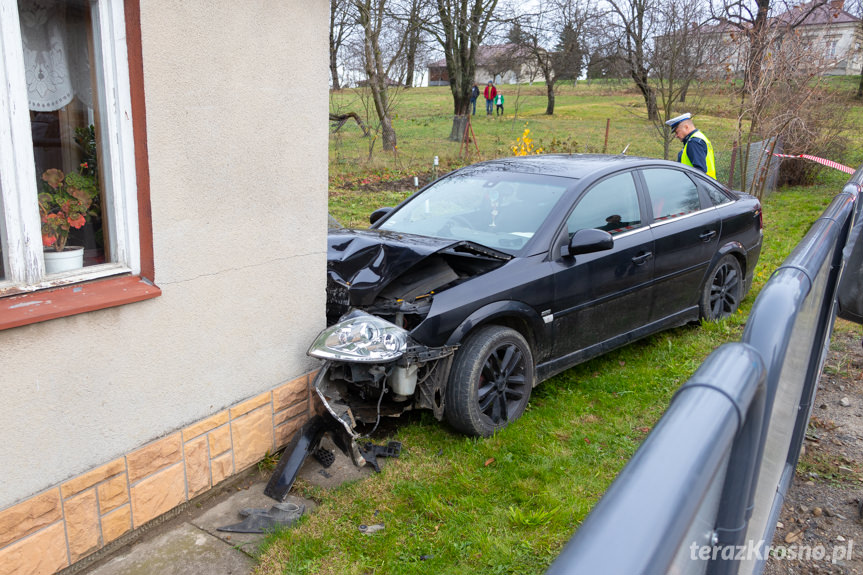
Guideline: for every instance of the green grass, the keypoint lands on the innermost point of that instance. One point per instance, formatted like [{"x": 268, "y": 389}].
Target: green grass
[
  {"x": 422, "y": 120},
  {"x": 507, "y": 504}
]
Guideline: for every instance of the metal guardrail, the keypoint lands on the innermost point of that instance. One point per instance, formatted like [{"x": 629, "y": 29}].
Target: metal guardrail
[{"x": 703, "y": 492}]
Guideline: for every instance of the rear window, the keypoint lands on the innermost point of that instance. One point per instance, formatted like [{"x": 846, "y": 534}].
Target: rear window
[{"x": 672, "y": 193}]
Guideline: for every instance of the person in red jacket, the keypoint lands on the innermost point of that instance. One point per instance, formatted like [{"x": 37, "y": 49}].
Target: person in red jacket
[{"x": 489, "y": 94}]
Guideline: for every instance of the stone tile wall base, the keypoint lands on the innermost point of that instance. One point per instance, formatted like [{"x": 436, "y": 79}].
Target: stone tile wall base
[{"x": 62, "y": 525}]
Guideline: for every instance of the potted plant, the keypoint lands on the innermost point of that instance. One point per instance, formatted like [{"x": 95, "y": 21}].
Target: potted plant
[{"x": 66, "y": 202}]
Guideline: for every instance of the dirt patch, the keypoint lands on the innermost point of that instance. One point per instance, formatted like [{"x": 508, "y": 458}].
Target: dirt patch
[
  {"x": 820, "y": 526},
  {"x": 379, "y": 184}
]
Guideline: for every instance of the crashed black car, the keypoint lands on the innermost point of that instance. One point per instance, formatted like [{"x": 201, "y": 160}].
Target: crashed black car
[{"x": 504, "y": 273}]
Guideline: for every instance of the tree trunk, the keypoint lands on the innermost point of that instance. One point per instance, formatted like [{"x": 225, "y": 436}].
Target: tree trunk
[
  {"x": 549, "y": 89},
  {"x": 649, "y": 96},
  {"x": 388, "y": 134},
  {"x": 461, "y": 110},
  {"x": 409, "y": 75},
  {"x": 334, "y": 71},
  {"x": 459, "y": 123},
  {"x": 335, "y": 43},
  {"x": 757, "y": 45},
  {"x": 860, "y": 87}
]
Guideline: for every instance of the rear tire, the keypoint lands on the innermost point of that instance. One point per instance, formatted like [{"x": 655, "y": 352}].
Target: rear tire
[
  {"x": 490, "y": 381},
  {"x": 723, "y": 289}
]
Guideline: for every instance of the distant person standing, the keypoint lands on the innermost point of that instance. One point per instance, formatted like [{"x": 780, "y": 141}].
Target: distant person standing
[
  {"x": 489, "y": 93},
  {"x": 498, "y": 103},
  {"x": 697, "y": 150},
  {"x": 474, "y": 94}
]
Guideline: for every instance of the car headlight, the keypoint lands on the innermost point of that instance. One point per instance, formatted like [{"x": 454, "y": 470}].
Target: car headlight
[{"x": 360, "y": 337}]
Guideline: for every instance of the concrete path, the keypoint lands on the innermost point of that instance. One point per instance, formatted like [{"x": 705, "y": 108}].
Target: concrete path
[{"x": 191, "y": 545}]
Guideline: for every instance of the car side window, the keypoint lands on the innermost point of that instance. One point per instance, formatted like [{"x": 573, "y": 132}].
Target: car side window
[
  {"x": 716, "y": 195},
  {"x": 610, "y": 205},
  {"x": 672, "y": 193}
]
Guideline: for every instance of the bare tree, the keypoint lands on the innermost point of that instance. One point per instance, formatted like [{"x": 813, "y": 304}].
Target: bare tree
[
  {"x": 635, "y": 21},
  {"x": 606, "y": 61},
  {"x": 534, "y": 33},
  {"x": 460, "y": 29},
  {"x": 371, "y": 15},
  {"x": 411, "y": 20},
  {"x": 787, "y": 96},
  {"x": 342, "y": 20},
  {"x": 676, "y": 53}
]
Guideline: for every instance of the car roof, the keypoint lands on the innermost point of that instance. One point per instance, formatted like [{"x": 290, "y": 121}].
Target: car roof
[{"x": 567, "y": 165}]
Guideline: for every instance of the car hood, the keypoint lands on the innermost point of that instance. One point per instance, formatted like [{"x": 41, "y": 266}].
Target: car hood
[{"x": 367, "y": 261}]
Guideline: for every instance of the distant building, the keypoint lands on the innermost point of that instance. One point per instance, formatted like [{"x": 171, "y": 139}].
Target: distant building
[
  {"x": 834, "y": 32},
  {"x": 499, "y": 63},
  {"x": 831, "y": 35}
]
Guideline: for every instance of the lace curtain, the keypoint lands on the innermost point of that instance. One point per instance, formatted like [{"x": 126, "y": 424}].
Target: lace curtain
[{"x": 56, "y": 54}]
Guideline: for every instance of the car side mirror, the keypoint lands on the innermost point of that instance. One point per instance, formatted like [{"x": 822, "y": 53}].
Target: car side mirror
[
  {"x": 588, "y": 241},
  {"x": 378, "y": 214}
]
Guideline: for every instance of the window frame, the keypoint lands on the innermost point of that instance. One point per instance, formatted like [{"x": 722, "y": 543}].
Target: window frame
[
  {"x": 131, "y": 277},
  {"x": 23, "y": 239}
]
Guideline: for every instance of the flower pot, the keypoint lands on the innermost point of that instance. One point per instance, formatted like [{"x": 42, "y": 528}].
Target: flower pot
[{"x": 72, "y": 257}]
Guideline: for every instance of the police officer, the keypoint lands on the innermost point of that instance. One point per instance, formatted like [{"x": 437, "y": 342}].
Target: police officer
[{"x": 697, "y": 150}]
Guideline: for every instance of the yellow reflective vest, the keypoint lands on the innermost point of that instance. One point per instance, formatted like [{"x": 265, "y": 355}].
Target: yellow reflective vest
[{"x": 711, "y": 163}]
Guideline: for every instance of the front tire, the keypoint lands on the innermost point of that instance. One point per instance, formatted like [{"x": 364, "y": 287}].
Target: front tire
[
  {"x": 490, "y": 381},
  {"x": 723, "y": 289}
]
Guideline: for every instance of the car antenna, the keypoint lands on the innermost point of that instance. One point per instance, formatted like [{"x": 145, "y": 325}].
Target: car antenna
[{"x": 623, "y": 153}]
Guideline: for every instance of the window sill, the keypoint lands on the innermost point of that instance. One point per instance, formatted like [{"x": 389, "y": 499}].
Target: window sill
[{"x": 48, "y": 304}]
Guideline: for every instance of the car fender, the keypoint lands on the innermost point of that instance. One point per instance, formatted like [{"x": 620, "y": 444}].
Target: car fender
[
  {"x": 500, "y": 310},
  {"x": 732, "y": 247}
]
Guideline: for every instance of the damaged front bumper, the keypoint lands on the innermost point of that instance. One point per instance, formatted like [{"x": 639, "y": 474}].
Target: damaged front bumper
[{"x": 346, "y": 393}]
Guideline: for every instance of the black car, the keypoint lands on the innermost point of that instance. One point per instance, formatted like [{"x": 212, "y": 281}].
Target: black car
[{"x": 504, "y": 273}]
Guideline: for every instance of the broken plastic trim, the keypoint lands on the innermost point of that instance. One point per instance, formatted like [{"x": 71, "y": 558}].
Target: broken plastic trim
[
  {"x": 371, "y": 452},
  {"x": 266, "y": 520},
  {"x": 304, "y": 444},
  {"x": 307, "y": 442}
]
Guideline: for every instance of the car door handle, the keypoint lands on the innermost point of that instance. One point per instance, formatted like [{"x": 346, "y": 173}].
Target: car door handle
[
  {"x": 641, "y": 259},
  {"x": 707, "y": 236}
]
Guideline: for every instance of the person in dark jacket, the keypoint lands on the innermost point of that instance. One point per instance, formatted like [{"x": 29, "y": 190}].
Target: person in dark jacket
[{"x": 474, "y": 94}]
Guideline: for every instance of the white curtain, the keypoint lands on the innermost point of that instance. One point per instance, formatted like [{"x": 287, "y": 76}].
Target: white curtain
[{"x": 56, "y": 57}]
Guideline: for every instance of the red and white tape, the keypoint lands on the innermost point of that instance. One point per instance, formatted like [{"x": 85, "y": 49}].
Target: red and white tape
[{"x": 828, "y": 163}]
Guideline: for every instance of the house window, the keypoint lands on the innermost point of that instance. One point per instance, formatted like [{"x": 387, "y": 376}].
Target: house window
[
  {"x": 831, "y": 48},
  {"x": 67, "y": 162}
]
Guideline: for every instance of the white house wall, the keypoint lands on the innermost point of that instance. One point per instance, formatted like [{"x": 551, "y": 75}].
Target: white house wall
[{"x": 237, "y": 144}]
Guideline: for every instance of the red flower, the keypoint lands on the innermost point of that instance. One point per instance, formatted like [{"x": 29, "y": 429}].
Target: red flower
[
  {"x": 48, "y": 240},
  {"x": 77, "y": 222}
]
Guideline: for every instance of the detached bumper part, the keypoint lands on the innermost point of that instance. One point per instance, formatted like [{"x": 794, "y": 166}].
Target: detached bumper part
[
  {"x": 266, "y": 520},
  {"x": 371, "y": 452},
  {"x": 307, "y": 442}
]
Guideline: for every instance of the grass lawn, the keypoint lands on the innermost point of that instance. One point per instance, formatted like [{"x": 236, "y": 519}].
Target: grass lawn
[{"x": 507, "y": 504}]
